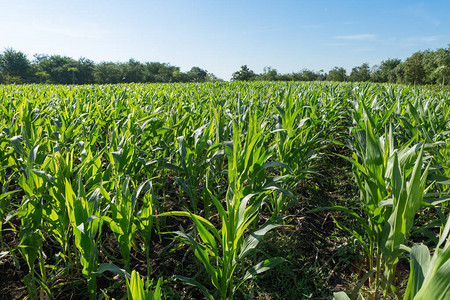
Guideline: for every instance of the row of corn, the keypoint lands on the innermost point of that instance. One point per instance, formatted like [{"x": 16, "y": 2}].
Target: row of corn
[{"x": 82, "y": 165}]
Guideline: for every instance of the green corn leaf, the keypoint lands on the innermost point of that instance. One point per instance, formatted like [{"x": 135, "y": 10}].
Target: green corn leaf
[
  {"x": 205, "y": 235},
  {"x": 17, "y": 145},
  {"x": 252, "y": 241},
  {"x": 262, "y": 267},
  {"x": 203, "y": 256},
  {"x": 205, "y": 222},
  {"x": 113, "y": 269},
  {"x": 193, "y": 282},
  {"x": 340, "y": 296},
  {"x": 419, "y": 264},
  {"x": 437, "y": 281},
  {"x": 373, "y": 150}
]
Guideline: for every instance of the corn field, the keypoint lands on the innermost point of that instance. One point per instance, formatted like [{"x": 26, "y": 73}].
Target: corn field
[{"x": 181, "y": 191}]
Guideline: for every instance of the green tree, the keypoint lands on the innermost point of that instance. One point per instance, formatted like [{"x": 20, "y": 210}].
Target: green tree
[
  {"x": 85, "y": 74},
  {"x": 387, "y": 69},
  {"x": 361, "y": 73},
  {"x": 270, "y": 74},
  {"x": 309, "y": 75},
  {"x": 197, "y": 74},
  {"x": 168, "y": 73},
  {"x": 399, "y": 72},
  {"x": 244, "y": 74},
  {"x": 107, "y": 72},
  {"x": 375, "y": 74},
  {"x": 413, "y": 69},
  {"x": 337, "y": 74},
  {"x": 42, "y": 76},
  {"x": 212, "y": 78},
  {"x": 436, "y": 65},
  {"x": 59, "y": 68},
  {"x": 133, "y": 71},
  {"x": 442, "y": 59},
  {"x": 73, "y": 71},
  {"x": 14, "y": 66}
]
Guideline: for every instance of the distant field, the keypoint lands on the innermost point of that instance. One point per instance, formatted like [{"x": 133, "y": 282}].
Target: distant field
[{"x": 221, "y": 190}]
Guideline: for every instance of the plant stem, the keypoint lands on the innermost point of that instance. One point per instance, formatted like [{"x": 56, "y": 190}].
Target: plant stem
[{"x": 92, "y": 286}]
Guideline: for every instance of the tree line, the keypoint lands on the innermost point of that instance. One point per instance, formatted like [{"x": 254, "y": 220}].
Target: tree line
[
  {"x": 422, "y": 67},
  {"x": 15, "y": 67}
]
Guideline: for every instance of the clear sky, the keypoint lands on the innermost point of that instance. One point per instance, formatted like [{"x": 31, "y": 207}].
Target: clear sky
[{"x": 220, "y": 36}]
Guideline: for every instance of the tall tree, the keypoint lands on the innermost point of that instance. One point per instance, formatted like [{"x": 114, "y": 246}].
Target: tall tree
[
  {"x": 14, "y": 66},
  {"x": 197, "y": 74},
  {"x": 413, "y": 69},
  {"x": 387, "y": 69},
  {"x": 309, "y": 75},
  {"x": 107, "y": 72},
  {"x": 375, "y": 74},
  {"x": 85, "y": 73},
  {"x": 270, "y": 74},
  {"x": 442, "y": 59},
  {"x": 361, "y": 73},
  {"x": 399, "y": 72},
  {"x": 337, "y": 74},
  {"x": 436, "y": 65},
  {"x": 168, "y": 73},
  {"x": 244, "y": 74},
  {"x": 61, "y": 69},
  {"x": 133, "y": 71}
]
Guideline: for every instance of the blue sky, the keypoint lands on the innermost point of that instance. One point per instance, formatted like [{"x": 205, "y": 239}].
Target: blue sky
[{"x": 220, "y": 36}]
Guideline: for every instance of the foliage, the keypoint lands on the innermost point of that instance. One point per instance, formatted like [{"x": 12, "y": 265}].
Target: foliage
[
  {"x": 137, "y": 289},
  {"x": 361, "y": 73},
  {"x": 387, "y": 70},
  {"x": 337, "y": 74},
  {"x": 112, "y": 178},
  {"x": 413, "y": 68},
  {"x": 428, "y": 67},
  {"x": 244, "y": 74},
  {"x": 14, "y": 66}
]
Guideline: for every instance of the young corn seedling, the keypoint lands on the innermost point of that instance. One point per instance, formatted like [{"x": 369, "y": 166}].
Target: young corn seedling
[
  {"x": 31, "y": 215},
  {"x": 123, "y": 214},
  {"x": 137, "y": 289},
  {"x": 145, "y": 219},
  {"x": 392, "y": 186},
  {"x": 84, "y": 217},
  {"x": 429, "y": 276},
  {"x": 31, "y": 211},
  {"x": 297, "y": 145},
  {"x": 193, "y": 163},
  {"x": 222, "y": 252}
]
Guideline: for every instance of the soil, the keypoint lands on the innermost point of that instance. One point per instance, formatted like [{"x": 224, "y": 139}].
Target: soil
[{"x": 12, "y": 271}]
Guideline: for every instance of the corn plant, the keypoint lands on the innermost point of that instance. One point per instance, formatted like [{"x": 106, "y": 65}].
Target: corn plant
[
  {"x": 429, "y": 276},
  {"x": 137, "y": 289},
  {"x": 57, "y": 217},
  {"x": 145, "y": 219},
  {"x": 297, "y": 144},
  {"x": 31, "y": 214},
  {"x": 7, "y": 174},
  {"x": 84, "y": 215},
  {"x": 74, "y": 158},
  {"x": 392, "y": 186},
  {"x": 193, "y": 163},
  {"x": 227, "y": 247},
  {"x": 31, "y": 211},
  {"x": 123, "y": 214}
]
